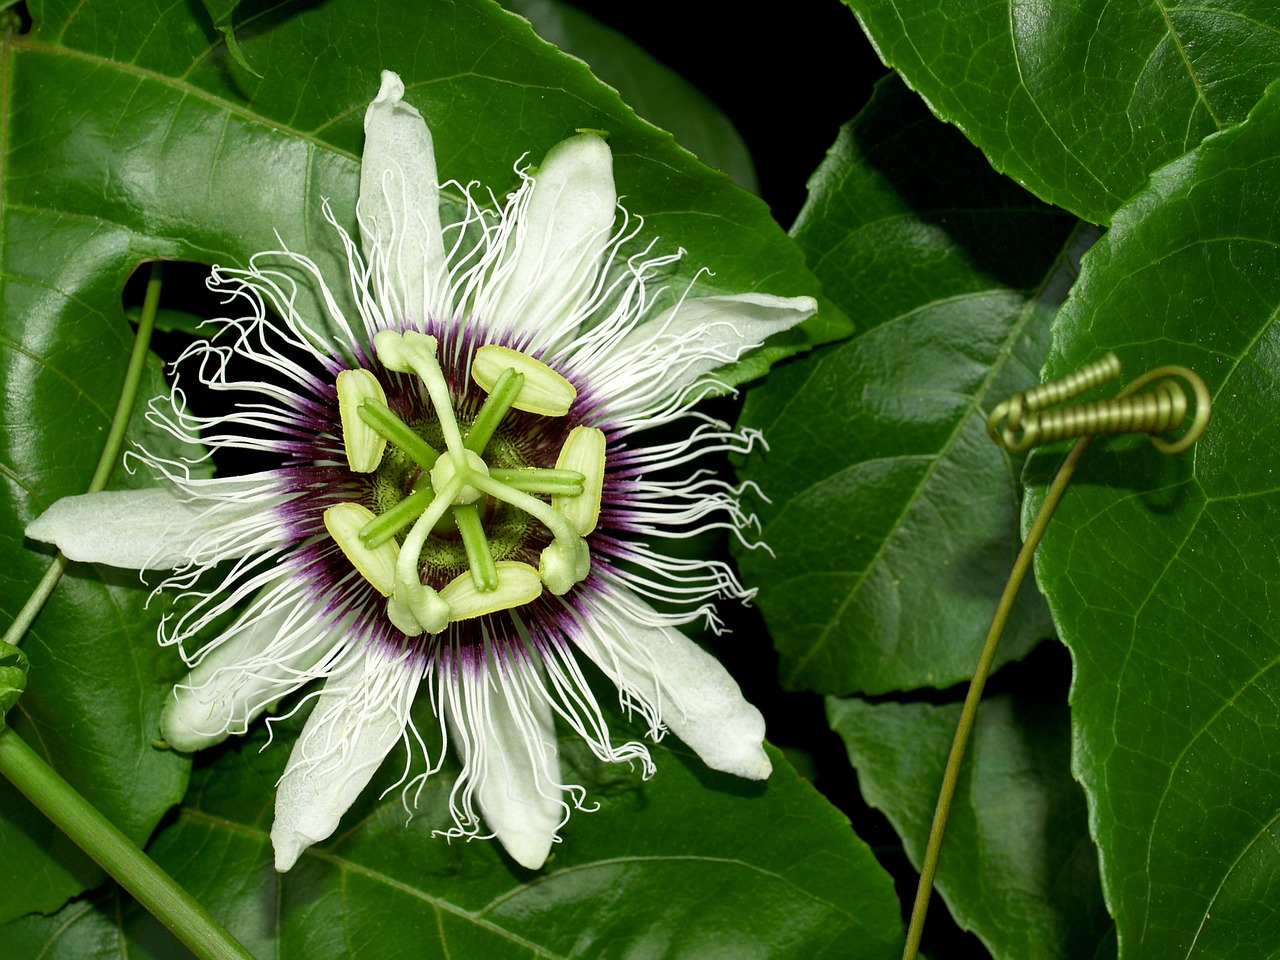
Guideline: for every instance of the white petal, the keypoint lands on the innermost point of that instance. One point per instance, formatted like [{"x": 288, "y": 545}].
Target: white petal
[
  {"x": 559, "y": 240},
  {"x": 152, "y": 529},
  {"x": 507, "y": 744},
  {"x": 693, "y": 694},
  {"x": 360, "y": 716},
  {"x": 702, "y": 334},
  {"x": 400, "y": 205},
  {"x": 263, "y": 656}
]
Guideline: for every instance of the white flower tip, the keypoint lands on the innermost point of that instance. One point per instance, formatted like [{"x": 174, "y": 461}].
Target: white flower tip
[
  {"x": 583, "y": 157},
  {"x": 288, "y": 848},
  {"x": 186, "y": 722},
  {"x": 392, "y": 88},
  {"x": 750, "y": 762},
  {"x": 291, "y": 835},
  {"x": 528, "y": 847}
]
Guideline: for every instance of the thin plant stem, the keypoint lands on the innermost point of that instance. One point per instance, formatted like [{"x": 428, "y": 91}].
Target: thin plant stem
[
  {"x": 110, "y": 451},
  {"x": 113, "y": 851},
  {"x": 47, "y": 790},
  {"x": 951, "y": 776}
]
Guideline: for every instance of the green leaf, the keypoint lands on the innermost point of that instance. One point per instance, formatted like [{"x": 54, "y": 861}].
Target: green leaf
[
  {"x": 692, "y": 863},
  {"x": 221, "y": 12},
  {"x": 893, "y": 520},
  {"x": 1017, "y": 866},
  {"x": 127, "y": 135},
  {"x": 13, "y": 677},
  {"x": 1161, "y": 571},
  {"x": 93, "y": 699},
  {"x": 1080, "y": 101},
  {"x": 658, "y": 94}
]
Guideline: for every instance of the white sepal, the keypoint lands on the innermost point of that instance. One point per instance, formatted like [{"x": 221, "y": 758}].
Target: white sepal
[
  {"x": 266, "y": 653},
  {"x": 158, "y": 528},
  {"x": 399, "y": 208},
  {"x": 502, "y": 726},
  {"x": 560, "y": 237},
  {"x": 670, "y": 353},
  {"x": 689, "y": 689},
  {"x": 360, "y": 716}
]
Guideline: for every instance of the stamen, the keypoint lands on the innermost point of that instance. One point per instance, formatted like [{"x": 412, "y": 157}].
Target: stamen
[
  {"x": 416, "y": 352},
  {"x": 344, "y": 521},
  {"x": 566, "y": 560},
  {"x": 496, "y": 405},
  {"x": 479, "y": 557},
  {"x": 518, "y": 584},
  {"x": 544, "y": 390},
  {"x": 387, "y": 424},
  {"x": 415, "y": 607},
  {"x": 540, "y": 510},
  {"x": 364, "y": 446},
  {"x": 387, "y": 524},
  {"x": 539, "y": 480},
  {"x": 583, "y": 451}
]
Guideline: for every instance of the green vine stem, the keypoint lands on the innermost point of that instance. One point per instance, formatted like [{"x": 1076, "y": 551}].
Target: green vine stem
[
  {"x": 1064, "y": 388},
  {"x": 951, "y": 776},
  {"x": 114, "y": 852},
  {"x": 57, "y": 799},
  {"x": 110, "y": 450}
]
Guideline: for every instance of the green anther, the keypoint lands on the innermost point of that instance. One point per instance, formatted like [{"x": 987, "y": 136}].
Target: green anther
[
  {"x": 387, "y": 524},
  {"x": 544, "y": 391},
  {"x": 378, "y": 565},
  {"x": 583, "y": 451},
  {"x": 540, "y": 480},
  {"x": 387, "y": 424},
  {"x": 364, "y": 445},
  {"x": 518, "y": 584},
  {"x": 484, "y": 574},
  {"x": 496, "y": 405}
]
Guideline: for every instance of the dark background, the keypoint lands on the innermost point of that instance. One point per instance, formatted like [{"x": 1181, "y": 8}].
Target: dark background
[{"x": 787, "y": 80}]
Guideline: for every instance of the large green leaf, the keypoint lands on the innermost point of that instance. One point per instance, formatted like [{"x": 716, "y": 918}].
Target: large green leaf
[
  {"x": 1080, "y": 101},
  {"x": 1161, "y": 572},
  {"x": 92, "y": 703},
  {"x": 893, "y": 516},
  {"x": 691, "y": 864},
  {"x": 1017, "y": 867},
  {"x": 126, "y": 134}
]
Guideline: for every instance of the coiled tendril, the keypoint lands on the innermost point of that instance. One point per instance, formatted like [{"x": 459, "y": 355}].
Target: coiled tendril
[{"x": 1036, "y": 416}]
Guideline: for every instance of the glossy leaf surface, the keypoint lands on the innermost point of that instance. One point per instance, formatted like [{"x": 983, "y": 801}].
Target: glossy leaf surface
[
  {"x": 690, "y": 864},
  {"x": 655, "y": 92},
  {"x": 893, "y": 516},
  {"x": 1079, "y": 102},
  {"x": 1161, "y": 571},
  {"x": 1017, "y": 866}
]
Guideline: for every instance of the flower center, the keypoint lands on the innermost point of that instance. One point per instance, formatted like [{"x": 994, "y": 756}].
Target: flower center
[{"x": 467, "y": 491}]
